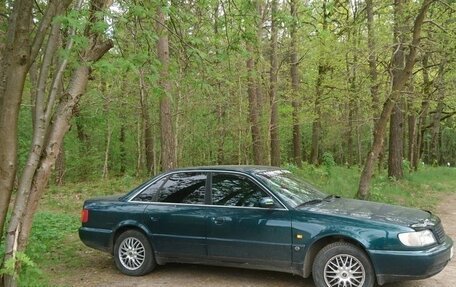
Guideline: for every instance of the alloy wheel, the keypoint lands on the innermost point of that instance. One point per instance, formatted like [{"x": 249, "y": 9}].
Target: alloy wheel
[
  {"x": 132, "y": 253},
  {"x": 344, "y": 270}
]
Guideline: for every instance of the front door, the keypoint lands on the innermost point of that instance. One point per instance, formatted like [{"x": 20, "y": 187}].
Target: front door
[{"x": 239, "y": 230}]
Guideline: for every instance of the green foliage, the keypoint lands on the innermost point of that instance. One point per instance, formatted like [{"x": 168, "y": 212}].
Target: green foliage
[
  {"x": 20, "y": 258},
  {"x": 48, "y": 229},
  {"x": 328, "y": 162},
  {"x": 46, "y": 243},
  {"x": 30, "y": 274}
]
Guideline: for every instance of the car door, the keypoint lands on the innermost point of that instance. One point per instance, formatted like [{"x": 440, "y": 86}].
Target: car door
[
  {"x": 239, "y": 230},
  {"x": 176, "y": 217}
]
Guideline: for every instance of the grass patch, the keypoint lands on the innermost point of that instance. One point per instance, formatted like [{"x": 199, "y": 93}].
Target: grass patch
[{"x": 54, "y": 242}]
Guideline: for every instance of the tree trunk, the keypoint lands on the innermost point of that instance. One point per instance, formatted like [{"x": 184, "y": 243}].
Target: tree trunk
[
  {"x": 395, "y": 154},
  {"x": 253, "y": 110},
  {"x": 83, "y": 136},
  {"x": 221, "y": 106},
  {"x": 435, "y": 157},
  {"x": 352, "y": 66},
  {"x": 108, "y": 132},
  {"x": 139, "y": 145},
  {"x": 316, "y": 124},
  {"x": 420, "y": 129},
  {"x": 168, "y": 146},
  {"x": 15, "y": 64},
  {"x": 412, "y": 135},
  {"x": 148, "y": 138},
  {"x": 372, "y": 59},
  {"x": 351, "y": 117},
  {"x": 60, "y": 167},
  {"x": 295, "y": 102},
  {"x": 108, "y": 136},
  {"x": 36, "y": 176},
  {"x": 397, "y": 86},
  {"x": 322, "y": 69},
  {"x": 17, "y": 55},
  {"x": 122, "y": 152},
  {"x": 274, "y": 121}
]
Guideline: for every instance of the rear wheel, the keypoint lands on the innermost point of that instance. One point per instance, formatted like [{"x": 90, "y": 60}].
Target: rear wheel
[
  {"x": 342, "y": 264},
  {"x": 133, "y": 254}
]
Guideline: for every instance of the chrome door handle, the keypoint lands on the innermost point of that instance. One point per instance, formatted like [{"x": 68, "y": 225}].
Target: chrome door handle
[{"x": 220, "y": 220}]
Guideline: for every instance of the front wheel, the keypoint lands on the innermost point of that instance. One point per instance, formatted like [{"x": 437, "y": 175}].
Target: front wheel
[
  {"x": 133, "y": 254},
  {"x": 342, "y": 264}
]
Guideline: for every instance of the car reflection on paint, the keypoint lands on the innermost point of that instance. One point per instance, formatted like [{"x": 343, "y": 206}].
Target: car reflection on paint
[{"x": 264, "y": 218}]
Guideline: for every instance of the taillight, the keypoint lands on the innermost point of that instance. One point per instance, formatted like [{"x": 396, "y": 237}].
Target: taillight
[{"x": 84, "y": 215}]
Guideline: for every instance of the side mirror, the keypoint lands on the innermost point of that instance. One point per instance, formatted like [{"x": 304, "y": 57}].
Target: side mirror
[{"x": 267, "y": 202}]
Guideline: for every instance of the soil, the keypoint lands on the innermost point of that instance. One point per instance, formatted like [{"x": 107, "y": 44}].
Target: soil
[{"x": 97, "y": 269}]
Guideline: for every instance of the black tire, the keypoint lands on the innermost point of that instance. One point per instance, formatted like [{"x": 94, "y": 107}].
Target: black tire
[
  {"x": 133, "y": 254},
  {"x": 339, "y": 262}
]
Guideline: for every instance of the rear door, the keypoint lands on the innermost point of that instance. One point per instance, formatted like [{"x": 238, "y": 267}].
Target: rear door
[
  {"x": 239, "y": 230},
  {"x": 176, "y": 217}
]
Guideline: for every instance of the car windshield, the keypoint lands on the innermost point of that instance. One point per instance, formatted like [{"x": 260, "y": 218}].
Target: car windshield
[{"x": 290, "y": 188}]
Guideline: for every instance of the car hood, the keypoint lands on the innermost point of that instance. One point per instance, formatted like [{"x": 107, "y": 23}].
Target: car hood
[{"x": 381, "y": 212}]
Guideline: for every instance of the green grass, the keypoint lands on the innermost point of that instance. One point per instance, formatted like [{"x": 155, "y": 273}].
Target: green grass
[{"x": 54, "y": 244}]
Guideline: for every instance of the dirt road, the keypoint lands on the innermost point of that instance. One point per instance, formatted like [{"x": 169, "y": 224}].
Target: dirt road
[{"x": 98, "y": 270}]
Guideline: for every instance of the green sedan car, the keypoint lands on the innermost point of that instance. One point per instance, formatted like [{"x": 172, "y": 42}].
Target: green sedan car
[{"x": 264, "y": 218}]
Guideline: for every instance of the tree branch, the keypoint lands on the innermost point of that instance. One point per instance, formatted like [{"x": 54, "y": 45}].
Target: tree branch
[
  {"x": 55, "y": 7},
  {"x": 417, "y": 26}
]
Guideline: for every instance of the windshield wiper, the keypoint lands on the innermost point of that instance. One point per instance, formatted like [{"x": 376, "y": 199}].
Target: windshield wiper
[
  {"x": 318, "y": 200},
  {"x": 329, "y": 197},
  {"x": 310, "y": 202}
]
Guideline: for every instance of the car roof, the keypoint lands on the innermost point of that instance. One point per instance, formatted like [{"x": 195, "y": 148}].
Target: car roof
[{"x": 251, "y": 169}]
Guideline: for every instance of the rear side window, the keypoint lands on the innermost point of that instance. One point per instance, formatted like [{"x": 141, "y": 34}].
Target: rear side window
[
  {"x": 149, "y": 194},
  {"x": 186, "y": 187}
]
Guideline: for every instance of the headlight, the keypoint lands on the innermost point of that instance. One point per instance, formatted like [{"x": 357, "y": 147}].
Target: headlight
[{"x": 417, "y": 238}]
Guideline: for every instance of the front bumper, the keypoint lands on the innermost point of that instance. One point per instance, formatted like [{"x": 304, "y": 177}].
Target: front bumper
[{"x": 391, "y": 266}]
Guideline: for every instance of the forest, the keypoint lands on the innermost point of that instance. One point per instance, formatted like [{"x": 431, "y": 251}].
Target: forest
[{"x": 99, "y": 89}]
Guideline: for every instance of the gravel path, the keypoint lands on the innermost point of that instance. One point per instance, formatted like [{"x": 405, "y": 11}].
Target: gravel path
[{"x": 98, "y": 270}]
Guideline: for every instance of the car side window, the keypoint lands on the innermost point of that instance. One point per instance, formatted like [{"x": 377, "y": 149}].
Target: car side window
[
  {"x": 149, "y": 194},
  {"x": 235, "y": 190},
  {"x": 185, "y": 187}
]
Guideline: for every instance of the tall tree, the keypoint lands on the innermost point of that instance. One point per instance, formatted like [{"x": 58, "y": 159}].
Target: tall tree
[
  {"x": 19, "y": 53},
  {"x": 435, "y": 155},
  {"x": 274, "y": 121},
  {"x": 372, "y": 59},
  {"x": 168, "y": 144},
  {"x": 295, "y": 101},
  {"x": 148, "y": 137},
  {"x": 253, "y": 89},
  {"x": 396, "y": 88},
  {"x": 48, "y": 134},
  {"x": 352, "y": 74},
  {"x": 322, "y": 70},
  {"x": 424, "y": 111},
  {"x": 396, "y": 151}
]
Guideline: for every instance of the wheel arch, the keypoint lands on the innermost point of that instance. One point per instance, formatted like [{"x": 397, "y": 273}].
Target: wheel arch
[
  {"x": 320, "y": 243},
  {"x": 129, "y": 225}
]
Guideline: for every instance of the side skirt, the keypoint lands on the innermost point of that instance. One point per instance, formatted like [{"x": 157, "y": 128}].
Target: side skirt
[{"x": 293, "y": 269}]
